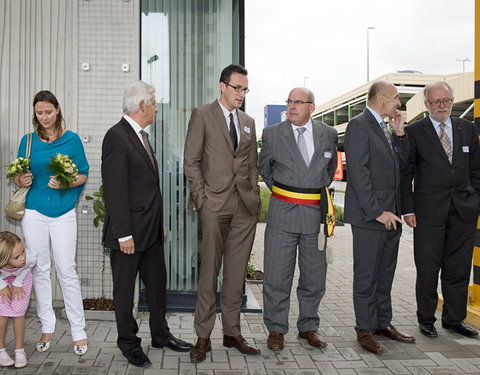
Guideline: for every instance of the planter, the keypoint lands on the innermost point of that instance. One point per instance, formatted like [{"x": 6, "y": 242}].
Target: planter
[{"x": 257, "y": 277}]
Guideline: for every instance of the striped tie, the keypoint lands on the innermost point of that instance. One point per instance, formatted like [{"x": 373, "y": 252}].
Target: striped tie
[
  {"x": 445, "y": 141},
  {"x": 387, "y": 134}
]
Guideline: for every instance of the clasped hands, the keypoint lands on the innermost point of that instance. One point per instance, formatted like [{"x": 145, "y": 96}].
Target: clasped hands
[{"x": 11, "y": 292}]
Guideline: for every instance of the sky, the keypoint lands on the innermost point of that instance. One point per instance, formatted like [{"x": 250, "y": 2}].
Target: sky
[{"x": 326, "y": 41}]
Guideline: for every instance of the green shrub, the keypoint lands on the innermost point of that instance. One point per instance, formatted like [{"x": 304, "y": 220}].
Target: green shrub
[
  {"x": 265, "y": 200},
  {"x": 339, "y": 213}
]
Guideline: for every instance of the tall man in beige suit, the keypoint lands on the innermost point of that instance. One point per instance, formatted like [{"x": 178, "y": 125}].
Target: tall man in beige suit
[{"x": 221, "y": 164}]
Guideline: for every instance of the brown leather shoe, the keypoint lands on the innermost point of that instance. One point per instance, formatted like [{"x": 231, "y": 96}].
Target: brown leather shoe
[
  {"x": 275, "y": 341},
  {"x": 313, "y": 338},
  {"x": 199, "y": 351},
  {"x": 368, "y": 342},
  {"x": 394, "y": 334},
  {"x": 240, "y": 343}
]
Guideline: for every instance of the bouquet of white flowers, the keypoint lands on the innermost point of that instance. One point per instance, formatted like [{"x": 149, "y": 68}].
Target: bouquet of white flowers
[
  {"x": 64, "y": 169},
  {"x": 18, "y": 167}
]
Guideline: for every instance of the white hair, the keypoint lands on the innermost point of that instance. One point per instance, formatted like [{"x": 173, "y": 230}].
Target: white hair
[
  {"x": 430, "y": 86},
  {"x": 134, "y": 94}
]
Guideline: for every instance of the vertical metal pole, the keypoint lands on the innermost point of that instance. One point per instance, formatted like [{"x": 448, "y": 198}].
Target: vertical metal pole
[
  {"x": 368, "y": 52},
  {"x": 368, "y": 55},
  {"x": 475, "y": 297}
]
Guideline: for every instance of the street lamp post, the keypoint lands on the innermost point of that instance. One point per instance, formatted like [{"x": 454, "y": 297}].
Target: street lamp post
[
  {"x": 304, "y": 79},
  {"x": 368, "y": 51},
  {"x": 464, "y": 61}
]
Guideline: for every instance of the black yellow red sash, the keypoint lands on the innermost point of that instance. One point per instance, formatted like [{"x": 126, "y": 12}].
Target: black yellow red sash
[
  {"x": 308, "y": 196},
  {"x": 295, "y": 194}
]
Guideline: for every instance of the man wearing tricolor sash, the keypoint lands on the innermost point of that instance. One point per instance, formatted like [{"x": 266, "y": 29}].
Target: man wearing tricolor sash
[{"x": 297, "y": 162}]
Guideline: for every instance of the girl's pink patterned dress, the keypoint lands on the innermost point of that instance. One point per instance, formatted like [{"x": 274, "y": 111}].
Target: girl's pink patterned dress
[{"x": 16, "y": 307}]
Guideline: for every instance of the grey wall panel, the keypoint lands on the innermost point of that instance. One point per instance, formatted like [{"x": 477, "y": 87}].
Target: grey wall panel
[
  {"x": 42, "y": 46},
  {"x": 38, "y": 45}
]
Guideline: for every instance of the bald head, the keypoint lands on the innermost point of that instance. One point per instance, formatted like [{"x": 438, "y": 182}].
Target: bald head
[
  {"x": 383, "y": 98},
  {"x": 376, "y": 89}
]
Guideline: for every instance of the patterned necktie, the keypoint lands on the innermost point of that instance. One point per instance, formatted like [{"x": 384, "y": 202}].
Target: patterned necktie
[
  {"x": 147, "y": 146},
  {"x": 302, "y": 145},
  {"x": 387, "y": 134},
  {"x": 233, "y": 133},
  {"x": 445, "y": 141}
]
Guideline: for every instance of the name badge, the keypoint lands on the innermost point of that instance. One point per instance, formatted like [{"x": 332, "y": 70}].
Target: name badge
[
  {"x": 247, "y": 129},
  {"x": 465, "y": 149},
  {"x": 327, "y": 154}
]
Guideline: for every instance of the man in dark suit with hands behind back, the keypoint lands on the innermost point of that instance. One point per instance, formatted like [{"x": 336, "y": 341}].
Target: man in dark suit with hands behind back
[{"x": 133, "y": 228}]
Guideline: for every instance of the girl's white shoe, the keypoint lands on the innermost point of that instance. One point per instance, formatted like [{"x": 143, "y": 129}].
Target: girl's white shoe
[
  {"x": 5, "y": 359},
  {"x": 80, "y": 349},
  {"x": 20, "y": 358}
]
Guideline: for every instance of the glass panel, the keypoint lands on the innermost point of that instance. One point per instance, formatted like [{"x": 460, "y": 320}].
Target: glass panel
[{"x": 185, "y": 45}]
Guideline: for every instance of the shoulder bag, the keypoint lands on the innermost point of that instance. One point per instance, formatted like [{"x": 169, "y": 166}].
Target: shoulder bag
[{"x": 15, "y": 208}]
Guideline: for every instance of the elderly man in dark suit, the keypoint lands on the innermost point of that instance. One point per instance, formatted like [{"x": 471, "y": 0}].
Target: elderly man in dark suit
[
  {"x": 297, "y": 162},
  {"x": 442, "y": 207},
  {"x": 372, "y": 207},
  {"x": 221, "y": 165},
  {"x": 133, "y": 228}
]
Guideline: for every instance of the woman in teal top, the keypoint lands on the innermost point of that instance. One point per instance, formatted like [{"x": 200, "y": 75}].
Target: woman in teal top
[{"x": 50, "y": 218}]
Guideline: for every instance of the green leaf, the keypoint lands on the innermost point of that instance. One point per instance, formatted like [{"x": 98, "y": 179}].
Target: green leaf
[{"x": 97, "y": 207}]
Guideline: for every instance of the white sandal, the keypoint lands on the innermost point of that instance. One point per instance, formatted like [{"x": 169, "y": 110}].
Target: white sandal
[
  {"x": 43, "y": 346},
  {"x": 80, "y": 349}
]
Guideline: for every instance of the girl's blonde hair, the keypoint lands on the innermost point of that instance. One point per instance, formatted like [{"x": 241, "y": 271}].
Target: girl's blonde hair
[{"x": 8, "y": 240}]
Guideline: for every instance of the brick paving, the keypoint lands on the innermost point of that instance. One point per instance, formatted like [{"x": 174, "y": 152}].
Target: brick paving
[{"x": 447, "y": 354}]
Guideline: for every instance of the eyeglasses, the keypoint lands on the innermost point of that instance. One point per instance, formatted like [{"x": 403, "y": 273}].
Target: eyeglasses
[
  {"x": 436, "y": 103},
  {"x": 238, "y": 89},
  {"x": 296, "y": 102}
]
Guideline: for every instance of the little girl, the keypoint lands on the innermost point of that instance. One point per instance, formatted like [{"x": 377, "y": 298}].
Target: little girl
[{"x": 15, "y": 288}]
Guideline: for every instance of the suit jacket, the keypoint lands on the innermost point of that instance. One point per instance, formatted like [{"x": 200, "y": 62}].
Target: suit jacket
[
  {"x": 131, "y": 190},
  {"x": 211, "y": 165},
  {"x": 281, "y": 161},
  {"x": 373, "y": 172},
  {"x": 437, "y": 182}
]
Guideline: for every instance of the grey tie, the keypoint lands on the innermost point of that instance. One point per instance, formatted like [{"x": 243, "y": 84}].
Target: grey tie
[
  {"x": 147, "y": 146},
  {"x": 302, "y": 145},
  {"x": 387, "y": 134}
]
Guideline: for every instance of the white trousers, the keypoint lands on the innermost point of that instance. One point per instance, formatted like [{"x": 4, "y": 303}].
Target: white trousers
[{"x": 61, "y": 232}]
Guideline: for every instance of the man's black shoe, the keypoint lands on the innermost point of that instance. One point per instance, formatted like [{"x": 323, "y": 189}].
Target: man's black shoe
[
  {"x": 137, "y": 357},
  {"x": 174, "y": 344},
  {"x": 462, "y": 329},
  {"x": 428, "y": 330}
]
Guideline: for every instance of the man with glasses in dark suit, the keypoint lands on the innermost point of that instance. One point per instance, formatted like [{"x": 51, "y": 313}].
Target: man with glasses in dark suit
[{"x": 442, "y": 207}]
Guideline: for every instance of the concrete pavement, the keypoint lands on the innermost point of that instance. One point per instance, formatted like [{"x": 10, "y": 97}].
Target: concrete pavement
[{"x": 447, "y": 354}]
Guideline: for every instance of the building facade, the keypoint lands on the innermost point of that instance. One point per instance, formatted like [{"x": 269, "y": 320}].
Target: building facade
[{"x": 86, "y": 52}]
